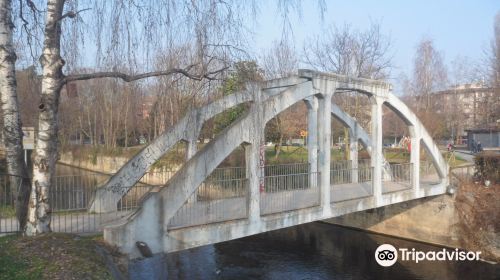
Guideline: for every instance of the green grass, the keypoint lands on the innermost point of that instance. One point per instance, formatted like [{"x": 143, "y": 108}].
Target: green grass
[
  {"x": 294, "y": 154},
  {"x": 51, "y": 256},
  {"x": 13, "y": 266},
  {"x": 7, "y": 211}
]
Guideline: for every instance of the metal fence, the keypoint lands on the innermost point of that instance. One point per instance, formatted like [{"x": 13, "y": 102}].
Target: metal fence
[
  {"x": 69, "y": 198},
  {"x": 351, "y": 175},
  {"x": 400, "y": 179},
  {"x": 214, "y": 201},
  {"x": 284, "y": 169},
  {"x": 340, "y": 165},
  {"x": 157, "y": 178},
  {"x": 9, "y": 185},
  {"x": 282, "y": 193},
  {"x": 428, "y": 173},
  {"x": 401, "y": 172},
  {"x": 221, "y": 197},
  {"x": 427, "y": 168},
  {"x": 462, "y": 174}
]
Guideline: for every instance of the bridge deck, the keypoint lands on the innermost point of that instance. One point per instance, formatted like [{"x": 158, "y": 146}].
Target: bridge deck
[{"x": 199, "y": 213}]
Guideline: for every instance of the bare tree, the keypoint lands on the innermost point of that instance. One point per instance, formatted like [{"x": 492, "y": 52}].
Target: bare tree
[
  {"x": 12, "y": 133},
  {"x": 491, "y": 106},
  {"x": 278, "y": 62},
  {"x": 346, "y": 51},
  {"x": 429, "y": 74}
]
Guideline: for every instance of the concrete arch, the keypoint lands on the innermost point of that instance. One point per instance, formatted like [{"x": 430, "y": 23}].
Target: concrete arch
[
  {"x": 419, "y": 132},
  {"x": 187, "y": 129},
  {"x": 269, "y": 99},
  {"x": 248, "y": 129}
]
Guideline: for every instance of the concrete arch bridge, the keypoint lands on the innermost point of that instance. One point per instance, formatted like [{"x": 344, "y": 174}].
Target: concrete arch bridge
[{"x": 195, "y": 208}]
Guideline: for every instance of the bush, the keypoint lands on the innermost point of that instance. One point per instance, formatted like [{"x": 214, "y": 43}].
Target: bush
[{"x": 488, "y": 166}]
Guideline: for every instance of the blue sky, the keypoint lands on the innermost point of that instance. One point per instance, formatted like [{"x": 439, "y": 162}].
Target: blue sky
[{"x": 458, "y": 27}]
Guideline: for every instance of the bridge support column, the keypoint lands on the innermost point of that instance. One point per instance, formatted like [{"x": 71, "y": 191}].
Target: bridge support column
[
  {"x": 191, "y": 148},
  {"x": 255, "y": 156},
  {"x": 415, "y": 159},
  {"x": 353, "y": 153},
  {"x": 324, "y": 154},
  {"x": 377, "y": 152},
  {"x": 312, "y": 138},
  {"x": 255, "y": 178}
]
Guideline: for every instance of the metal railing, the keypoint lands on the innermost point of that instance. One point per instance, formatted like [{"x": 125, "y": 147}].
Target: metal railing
[
  {"x": 157, "y": 178},
  {"x": 282, "y": 193},
  {"x": 69, "y": 198},
  {"x": 284, "y": 169},
  {"x": 400, "y": 179},
  {"x": 214, "y": 201},
  {"x": 351, "y": 175},
  {"x": 401, "y": 172},
  {"x": 462, "y": 174},
  {"x": 428, "y": 173},
  {"x": 340, "y": 165},
  {"x": 427, "y": 168},
  {"x": 9, "y": 186}
]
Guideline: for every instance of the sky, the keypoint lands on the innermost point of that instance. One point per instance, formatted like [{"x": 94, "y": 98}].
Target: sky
[{"x": 457, "y": 27}]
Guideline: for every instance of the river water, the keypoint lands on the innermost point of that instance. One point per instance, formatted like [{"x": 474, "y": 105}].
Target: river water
[
  {"x": 315, "y": 251},
  {"x": 311, "y": 251}
]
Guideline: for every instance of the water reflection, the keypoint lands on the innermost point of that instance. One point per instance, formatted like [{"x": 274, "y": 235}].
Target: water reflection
[{"x": 314, "y": 251}]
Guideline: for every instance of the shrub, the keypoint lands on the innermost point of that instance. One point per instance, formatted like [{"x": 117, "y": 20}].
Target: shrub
[{"x": 488, "y": 166}]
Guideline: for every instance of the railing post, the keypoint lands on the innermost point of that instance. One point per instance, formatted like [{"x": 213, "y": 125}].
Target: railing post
[
  {"x": 377, "y": 158},
  {"x": 324, "y": 155},
  {"x": 415, "y": 159}
]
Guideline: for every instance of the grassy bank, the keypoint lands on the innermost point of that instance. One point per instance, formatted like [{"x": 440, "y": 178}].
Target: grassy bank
[{"x": 51, "y": 256}]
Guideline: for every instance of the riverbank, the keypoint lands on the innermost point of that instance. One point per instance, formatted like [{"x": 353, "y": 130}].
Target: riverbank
[
  {"x": 469, "y": 219},
  {"x": 53, "y": 256}
]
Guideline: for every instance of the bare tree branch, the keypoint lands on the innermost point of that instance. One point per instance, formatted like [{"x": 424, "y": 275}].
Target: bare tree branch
[
  {"x": 131, "y": 78},
  {"x": 72, "y": 14}
]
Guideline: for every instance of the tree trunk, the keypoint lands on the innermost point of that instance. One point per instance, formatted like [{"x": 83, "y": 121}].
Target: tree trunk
[
  {"x": 12, "y": 129},
  {"x": 46, "y": 142}
]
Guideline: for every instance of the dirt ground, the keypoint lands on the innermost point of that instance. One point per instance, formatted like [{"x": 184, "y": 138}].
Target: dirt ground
[
  {"x": 52, "y": 256},
  {"x": 479, "y": 210}
]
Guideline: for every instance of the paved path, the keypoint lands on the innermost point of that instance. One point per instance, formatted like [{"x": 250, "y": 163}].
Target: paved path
[{"x": 466, "y": 155}]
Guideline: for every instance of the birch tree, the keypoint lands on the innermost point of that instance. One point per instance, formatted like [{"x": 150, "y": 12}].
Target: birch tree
[
  {"x": 429, "y": 74},
  {"x": 12, "y": 132}
]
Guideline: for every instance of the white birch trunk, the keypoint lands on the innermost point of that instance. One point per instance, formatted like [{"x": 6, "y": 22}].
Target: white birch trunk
[
  {"x": 12, "y": 129},
  {"x": 46, "y": 142}
]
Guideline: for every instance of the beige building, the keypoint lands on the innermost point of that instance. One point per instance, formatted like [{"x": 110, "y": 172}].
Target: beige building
[{"x": 468, "y": 106}]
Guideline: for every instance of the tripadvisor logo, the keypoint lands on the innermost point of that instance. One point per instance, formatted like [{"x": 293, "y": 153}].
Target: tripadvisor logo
[{"x": 387, "y": 255}]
